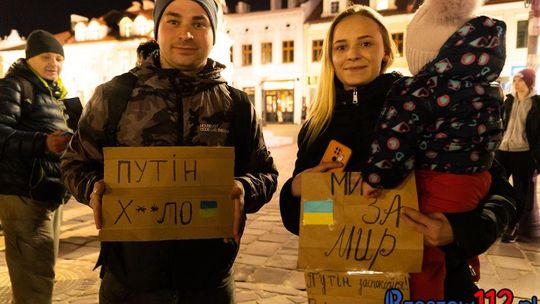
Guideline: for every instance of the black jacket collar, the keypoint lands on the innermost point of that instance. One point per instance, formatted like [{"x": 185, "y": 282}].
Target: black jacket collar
[{"x": 378, "y": 86}]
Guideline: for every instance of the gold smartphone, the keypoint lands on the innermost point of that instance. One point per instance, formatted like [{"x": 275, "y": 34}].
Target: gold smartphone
[{"x": 337, "y": 151}]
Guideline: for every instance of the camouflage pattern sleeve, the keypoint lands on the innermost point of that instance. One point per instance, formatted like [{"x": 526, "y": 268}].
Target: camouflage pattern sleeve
[{"x": 82, "y": 163}]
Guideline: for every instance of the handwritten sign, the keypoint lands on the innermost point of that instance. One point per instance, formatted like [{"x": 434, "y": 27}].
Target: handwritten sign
[
  {"x": 350, "y": 232},
  {"x": 334, "y": 287},
  {"x": 166, "y": 193}
]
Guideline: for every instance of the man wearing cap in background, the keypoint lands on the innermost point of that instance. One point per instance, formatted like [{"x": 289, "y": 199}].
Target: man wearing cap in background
[
  {"x": 519, "y": 151},
  {"x": 33, "y": 133},
  {"x": 178, "y": 99}
]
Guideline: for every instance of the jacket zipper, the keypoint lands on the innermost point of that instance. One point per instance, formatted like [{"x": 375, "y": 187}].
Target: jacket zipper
[{"x": 355, "y": 96}]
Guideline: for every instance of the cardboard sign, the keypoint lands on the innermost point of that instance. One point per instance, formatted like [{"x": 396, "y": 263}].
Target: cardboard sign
[
  {"x": 341, "y": 230},
  {"x": 334, "y": 287},
  {"x": 167, "y": 193}
]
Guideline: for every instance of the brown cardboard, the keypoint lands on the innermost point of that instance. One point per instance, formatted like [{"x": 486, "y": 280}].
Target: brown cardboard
[
  {"x": 364, "y": 234},
  {"x": 166, "y": 193}
]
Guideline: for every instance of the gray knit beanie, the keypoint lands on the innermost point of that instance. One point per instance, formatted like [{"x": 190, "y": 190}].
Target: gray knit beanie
[
  {"x": 210, "y": 6},
  {"x": 40, "y": 41}
]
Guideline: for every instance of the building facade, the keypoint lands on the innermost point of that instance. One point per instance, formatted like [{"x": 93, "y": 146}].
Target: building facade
[
  {"x": 267, "y": 56},
  {"x": 273, "y": 55},
  {"x": 95, "y": 50},
  {"x": 514, "y": 13}
]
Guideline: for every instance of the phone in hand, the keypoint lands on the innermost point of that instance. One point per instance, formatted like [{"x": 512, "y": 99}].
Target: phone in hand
[{"x": 337, "y": 151}]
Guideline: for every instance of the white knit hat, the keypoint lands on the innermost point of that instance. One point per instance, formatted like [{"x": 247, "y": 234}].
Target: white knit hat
[{"x": 433, "y": 23}]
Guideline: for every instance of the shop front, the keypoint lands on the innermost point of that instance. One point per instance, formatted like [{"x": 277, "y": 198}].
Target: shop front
[{"x": 278, "y": 101}]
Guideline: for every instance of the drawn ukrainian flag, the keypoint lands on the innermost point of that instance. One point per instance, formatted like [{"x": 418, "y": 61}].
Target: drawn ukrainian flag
[
  {"x": 319, "y": 212},
  {"x": 208, "y": 208}
]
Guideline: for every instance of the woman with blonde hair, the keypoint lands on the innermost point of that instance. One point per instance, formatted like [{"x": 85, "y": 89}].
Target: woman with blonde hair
[
  {"x": 356, "y": 52},
  {"x": 320, "y": 113},
  {"x": 353, "y": 85}
]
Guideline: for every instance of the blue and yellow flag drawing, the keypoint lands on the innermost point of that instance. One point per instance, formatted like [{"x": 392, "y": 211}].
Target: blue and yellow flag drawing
[
  {"x": 208, "y": 208},
  {"x": 319, "y": 212}
]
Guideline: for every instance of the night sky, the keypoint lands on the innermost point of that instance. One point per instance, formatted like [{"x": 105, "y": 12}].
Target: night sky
[{"x": 53, "y": 15}]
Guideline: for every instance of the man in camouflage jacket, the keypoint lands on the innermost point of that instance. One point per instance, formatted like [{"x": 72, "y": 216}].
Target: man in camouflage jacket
[{"x": 179, "y": 99}]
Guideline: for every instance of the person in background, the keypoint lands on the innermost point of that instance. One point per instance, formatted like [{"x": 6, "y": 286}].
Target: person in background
[
  {"x": 33, "y": 133},
  {"x": 353, "y": 85},
  {"x": 178, "y": 99},
  {"x": 145, "y": 49},
  {"x": 519, "y": 152}
]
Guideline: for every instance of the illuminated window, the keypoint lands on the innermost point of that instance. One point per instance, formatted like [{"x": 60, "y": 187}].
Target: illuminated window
[
  {"x": 247, "y": 54},
  {"x": 522, "y": 34},
  {"x": 316, "y": 50},
  {"x": 80, "y": 31},
  {"x": 382, "y": 5},
  {"x": 313, "y": 80},
  {"x": 288, "y": 51},
  {"x": 334, "y": 7},
  {"x": 142, "y": 26},
  {"x": 126, "y": 27},
  {"x": 96, "y": 30},
  {"x": 266, "y": 52}
]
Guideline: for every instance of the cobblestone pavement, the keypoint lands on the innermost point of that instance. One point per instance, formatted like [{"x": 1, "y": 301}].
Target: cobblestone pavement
[{"x": 265, "y": 270}]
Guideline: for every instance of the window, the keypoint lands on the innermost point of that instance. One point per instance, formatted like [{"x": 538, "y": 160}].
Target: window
[
  {"x": 247, "y": 53},
  {"x": 232, "y": 54},
  {"x": 142, "y": 26},
  {"x": 398, "y": 40},
  {"x": 316, "y": 50},
  {"x": 80, "y": 31},
  {"x": 334, "y": 7},
  {"x": 522, "y": 34},
  {"x": 266, "y": 52},
  {"x": 288, "y": 51}
]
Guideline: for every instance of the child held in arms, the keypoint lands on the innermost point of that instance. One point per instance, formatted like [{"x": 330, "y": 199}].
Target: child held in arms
[{"x": 443, "y": 122}]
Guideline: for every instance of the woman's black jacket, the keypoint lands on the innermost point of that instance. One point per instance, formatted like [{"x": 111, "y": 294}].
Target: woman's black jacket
[{"x": 353, "y": 125}]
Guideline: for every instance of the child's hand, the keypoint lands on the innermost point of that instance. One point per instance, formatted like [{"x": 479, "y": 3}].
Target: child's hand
[{"x": 369, "y": 192}]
